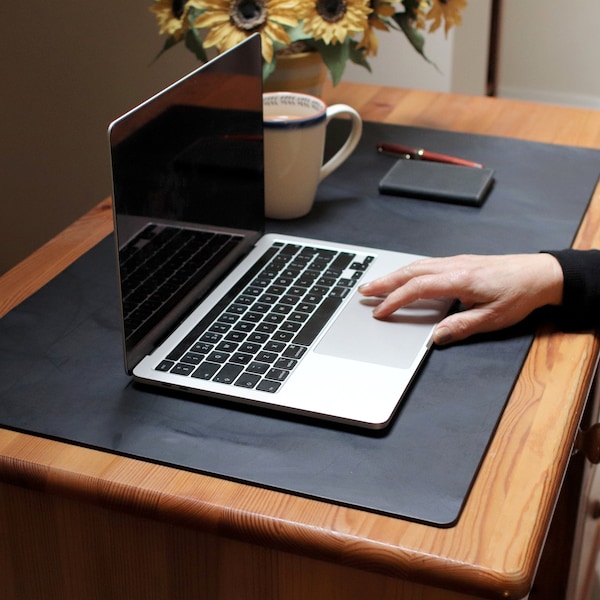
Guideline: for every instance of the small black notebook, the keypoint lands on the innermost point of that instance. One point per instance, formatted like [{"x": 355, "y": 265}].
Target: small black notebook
[{"x": 438, "y": 181}]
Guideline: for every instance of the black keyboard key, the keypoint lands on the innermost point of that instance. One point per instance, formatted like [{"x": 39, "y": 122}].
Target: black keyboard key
[
  {"x": 228, "y": 373},
  {"x": 277, "y": 290},
  {"x": 165, "y": 366},
  {"x": 182, "y": 369},
  {"x": 290, "y": 299},
  {"x": 250, "y": 348},
  {"x": 252, "y": 317},
  {"x": 202, "y": 347},
  {"x": 228, "y": 318},
  {"x": 245, "y": 300},
  {"x": 266, "y": 357},
  {"x": 268, "y": 299},
  {"x": 273, "y": 318},
  {"x": 258, "y": 338},
  {"x": 226, "y": 346},
  {"x": 274, "y": 347},
  {"x": 192, "y": 358},
  {"x": 285, "y": 363},
  {"x": 339, "y": 292},
  {"x": 326, "y": 281},
  {"x": 236, "y": 336},
  {"x": 218, "y": 357},
  {"x": 311, "y": 298},
  {"x": 268, "y": 386},
  {"x": 266, "y": 327},
  {"x": 281, "y": 309},
  {"x": 211, "y": 337},
  {"x": 296, "y": 317},
  {"x": 240, "y": 358},
  {"x": 317, "y": 321},
  {"x": 283, "y": 336},
  {"x": 237, "y": 309},
  {"x": 258, "y": 368},
  {"x": 306, "y": 307},
  {"x": 247, "y": 380},
  {"x": 264, "y": 306},
  {"x": 277, "y": 374},
  {"x": 342, "y": 260}
]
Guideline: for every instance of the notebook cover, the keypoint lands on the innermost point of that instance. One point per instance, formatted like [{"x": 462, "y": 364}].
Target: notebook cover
[{"x": 437, "y": 181}]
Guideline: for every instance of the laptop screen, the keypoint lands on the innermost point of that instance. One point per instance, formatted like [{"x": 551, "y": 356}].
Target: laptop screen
[{"x": 188, "y": 191}]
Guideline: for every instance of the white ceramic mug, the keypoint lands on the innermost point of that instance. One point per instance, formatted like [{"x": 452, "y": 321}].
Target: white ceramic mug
[{"x": 294, "y": 142}]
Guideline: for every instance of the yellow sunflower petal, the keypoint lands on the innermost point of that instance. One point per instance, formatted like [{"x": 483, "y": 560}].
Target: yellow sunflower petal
[{"x": 447, "y": 12}]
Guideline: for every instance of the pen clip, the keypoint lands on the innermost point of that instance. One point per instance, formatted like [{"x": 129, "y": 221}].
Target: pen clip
[{"x": 382, "y": 150}]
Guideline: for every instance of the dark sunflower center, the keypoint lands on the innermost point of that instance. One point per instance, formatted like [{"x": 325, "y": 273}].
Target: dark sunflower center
[
  {"x": 248, "y": 14},
  {"x": 178, "y": 7},
  {"x": 331, "y": 10}
]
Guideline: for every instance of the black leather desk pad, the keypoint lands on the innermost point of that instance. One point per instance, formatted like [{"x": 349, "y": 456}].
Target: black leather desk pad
[{"x": 61, "y": 372}]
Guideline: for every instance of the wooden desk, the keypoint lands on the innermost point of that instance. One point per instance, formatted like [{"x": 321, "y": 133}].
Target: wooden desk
[{"x": 83, "y": 524}]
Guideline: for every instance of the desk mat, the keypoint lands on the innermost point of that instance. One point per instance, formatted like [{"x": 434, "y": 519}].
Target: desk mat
[{"x": 61, "y": 372}]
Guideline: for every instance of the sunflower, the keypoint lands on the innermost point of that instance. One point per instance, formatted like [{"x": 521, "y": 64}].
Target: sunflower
[
  {"x": 447, "y": 11},
  {"x": 172, "y": 16},
  {"x": 232, "y": 21},
  {"x": 334, "y": 20},
  {"x": 382, "y": 11}
]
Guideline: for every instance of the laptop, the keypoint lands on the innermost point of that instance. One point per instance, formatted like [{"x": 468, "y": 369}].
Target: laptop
[{"x": 212, "y": 305}]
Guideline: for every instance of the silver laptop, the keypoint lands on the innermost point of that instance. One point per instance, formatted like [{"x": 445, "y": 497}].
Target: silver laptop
[{"x": 210, "y": 304}]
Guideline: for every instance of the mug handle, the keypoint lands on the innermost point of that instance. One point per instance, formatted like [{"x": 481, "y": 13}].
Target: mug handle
[{"x": 351, "y": 142}]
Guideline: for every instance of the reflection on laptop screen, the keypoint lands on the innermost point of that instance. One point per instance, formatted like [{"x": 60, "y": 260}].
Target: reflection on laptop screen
[{"x": 188, "y": 191}]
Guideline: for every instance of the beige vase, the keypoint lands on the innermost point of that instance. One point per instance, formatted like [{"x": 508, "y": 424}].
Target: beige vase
[{"x": 303, "y": 72}]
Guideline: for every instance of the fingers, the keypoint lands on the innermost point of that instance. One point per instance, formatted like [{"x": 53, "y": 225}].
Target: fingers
[
  {"x": 425, "y": 287},
  {"x": 391, "y": 281},
  {"x": 460, "y": 326}
]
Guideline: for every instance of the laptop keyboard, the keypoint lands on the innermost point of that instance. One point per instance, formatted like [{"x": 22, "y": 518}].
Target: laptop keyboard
[
  {"x": 160, "y": 265},
  {"x": 255, "y": 337}
]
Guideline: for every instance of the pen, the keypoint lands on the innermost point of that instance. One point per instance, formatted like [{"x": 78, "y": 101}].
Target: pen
[{"x": 422, "y": 154}]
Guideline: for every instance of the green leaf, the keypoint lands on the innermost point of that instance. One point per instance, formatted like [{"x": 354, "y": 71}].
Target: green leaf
[
  {"x": 335, "y": 57},
  {"x": 358, "y": 56},
  {"x": 411, "y": 7},
  {"x": 193, "y": 42},
  {"x": 268, "y": 68},
  {"x": 169, "y": 43},
  {"x": 414, "y": 36},
  {"x": 297, "y": 34}
]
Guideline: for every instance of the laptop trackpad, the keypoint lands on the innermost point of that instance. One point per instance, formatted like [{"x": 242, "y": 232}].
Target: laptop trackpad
[{"x": 395, "y": 342}]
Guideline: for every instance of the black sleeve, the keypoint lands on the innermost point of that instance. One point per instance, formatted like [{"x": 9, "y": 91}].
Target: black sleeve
[{"x": 581, "y": 292}]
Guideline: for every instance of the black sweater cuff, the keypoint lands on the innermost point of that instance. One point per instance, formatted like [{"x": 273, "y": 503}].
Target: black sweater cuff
[{"x": 581, "y": 290}]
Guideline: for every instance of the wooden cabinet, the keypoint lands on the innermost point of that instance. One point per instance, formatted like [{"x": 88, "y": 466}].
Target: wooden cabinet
[
  {"x": 567, "y": 566},
  {"x": 586, "y": 544}
]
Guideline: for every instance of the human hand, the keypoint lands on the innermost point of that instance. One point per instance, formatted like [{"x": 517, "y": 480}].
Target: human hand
[{"x": 497, "y": 291}]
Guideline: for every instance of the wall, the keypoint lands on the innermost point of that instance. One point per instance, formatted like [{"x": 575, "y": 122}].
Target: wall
[
  {"x": 68, "y": 69},
  {"x": 550, "y": 50},
  {"x": 460, "y": 58}
]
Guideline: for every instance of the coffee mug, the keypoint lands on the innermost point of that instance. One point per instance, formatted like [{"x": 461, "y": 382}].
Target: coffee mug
[{"x": 294, "y": 142}]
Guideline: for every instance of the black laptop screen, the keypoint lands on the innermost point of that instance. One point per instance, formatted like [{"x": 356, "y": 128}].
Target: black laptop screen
[{"x": 188, "y": 190}]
